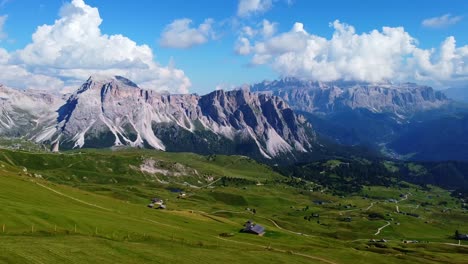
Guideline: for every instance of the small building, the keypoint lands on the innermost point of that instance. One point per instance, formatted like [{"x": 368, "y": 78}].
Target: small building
[
  {"x": 410, "y": 241},
  {"x": 319, "y": 202},
  {"x": 161, "y": 206},
  {"x": 252, "y": 228},
  {"x": 157, "y": 201}
]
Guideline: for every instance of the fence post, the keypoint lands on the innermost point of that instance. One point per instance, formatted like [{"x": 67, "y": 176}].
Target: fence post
[
  {"x": 75, "y": 228},
  {"x": 3, "y": 228}
]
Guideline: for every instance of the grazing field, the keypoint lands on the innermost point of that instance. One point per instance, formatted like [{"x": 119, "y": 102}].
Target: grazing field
[{"x": 91, "y": 206}]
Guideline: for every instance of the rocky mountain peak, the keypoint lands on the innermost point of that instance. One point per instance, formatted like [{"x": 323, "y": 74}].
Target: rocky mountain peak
[
  {"x": 114, "y": 111},
  {"x": 328, "y": 97},
  {"x": 99, "y": 82}
]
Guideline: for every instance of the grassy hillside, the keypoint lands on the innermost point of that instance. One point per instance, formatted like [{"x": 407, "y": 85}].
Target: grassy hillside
[{"x": 91, "y": 207}]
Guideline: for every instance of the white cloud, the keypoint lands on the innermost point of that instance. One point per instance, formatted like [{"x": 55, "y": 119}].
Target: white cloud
[
  {"x": 18, "y": 76},
  {"x": 249, "y": 7},
  {"x": 243, "y": 46},
  {"x": 180, "y": 35},
  {"x": 268, "y": 28},
  {"x": 3, "y": 19},
  {"x": 73, "y": 48},
  {"x": 442, "y": 21},
  {"x": 388, "y": 54},
  {"x": 445, "y": 67},
  {"x": 249, "y": 31},
  {"x": 225, "y": 86},
  {"x": 265, "y": 29}
]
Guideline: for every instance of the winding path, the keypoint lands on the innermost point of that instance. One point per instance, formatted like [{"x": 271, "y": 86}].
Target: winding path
[
  {"x": 73, "y": 198},
  {"x": 370, "y": 206},
  {"x": 380, "y": 228},
  {"x": 266, "y": 218},
  {"x": 279, "y": 250},
  {"x": 228, "y": 240}
]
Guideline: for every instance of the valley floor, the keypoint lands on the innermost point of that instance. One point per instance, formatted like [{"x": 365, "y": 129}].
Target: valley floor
[{"x": 48, "y": 219}]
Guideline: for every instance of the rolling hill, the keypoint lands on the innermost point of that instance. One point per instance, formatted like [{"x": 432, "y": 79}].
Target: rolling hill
[{"x": 91, "y": 205}]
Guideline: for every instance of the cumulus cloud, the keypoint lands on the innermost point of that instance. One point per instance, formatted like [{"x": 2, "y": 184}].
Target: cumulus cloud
[
  {"x": 441, "y": 21},
  {"x": 249, "y": 31},
  {"x": 179, "y": 34},
  {"x": 249, "y": 7},
  {"x": 265, "y": 29},
  {"x": 73, "y": 48},
  {"x": 3, "y": 35},
  {"x": 446, "y": 66},
  {"x": 388, "y": 54},
  {"x": 268, "y": 28},
  {"x": 243, "y": 46}
]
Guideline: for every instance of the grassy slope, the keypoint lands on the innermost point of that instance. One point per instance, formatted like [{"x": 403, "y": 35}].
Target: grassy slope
[{"x": 113, "y": 224}]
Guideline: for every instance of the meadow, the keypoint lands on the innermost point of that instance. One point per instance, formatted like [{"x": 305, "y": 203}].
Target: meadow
[{"x": 91, "y": 206}]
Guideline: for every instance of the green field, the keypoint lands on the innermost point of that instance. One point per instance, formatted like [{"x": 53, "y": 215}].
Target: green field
[{"x": 90, "y": 206}]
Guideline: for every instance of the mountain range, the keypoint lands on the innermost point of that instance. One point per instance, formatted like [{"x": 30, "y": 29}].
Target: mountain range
[
  {"x": 401, "y": 120},
  {"x": 113, "y": 112},
  {"x": 269, "y": 120}
]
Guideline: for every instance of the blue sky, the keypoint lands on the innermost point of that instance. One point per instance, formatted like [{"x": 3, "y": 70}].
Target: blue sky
[{"x": 216, "y": 61}]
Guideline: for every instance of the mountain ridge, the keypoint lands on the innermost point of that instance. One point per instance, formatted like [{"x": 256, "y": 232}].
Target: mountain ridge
[
  {"x": 108, "y": 112},
  {"x": 327, "y": 97},
  {"x": 400, "y": 120}
]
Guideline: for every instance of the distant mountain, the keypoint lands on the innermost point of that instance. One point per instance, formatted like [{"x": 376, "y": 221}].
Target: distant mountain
[
  {"x": 330, "y": 97},
  {"x": 457, "y": 94},
  {"x": 289, "y": 119},
  {"x": 25, "y": 113},
  {"x": 400, "y": 120},
  {"x": 108, "y": 112}
]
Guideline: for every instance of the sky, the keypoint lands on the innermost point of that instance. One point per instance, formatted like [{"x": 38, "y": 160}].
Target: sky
[{"x": 198, "y": 46}]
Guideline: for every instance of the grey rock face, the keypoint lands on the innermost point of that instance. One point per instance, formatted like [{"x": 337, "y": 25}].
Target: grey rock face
[
  {"x": 327, "y": 97},
  {"x": 114, "y": 111},
  {"x": 26, "y": 113}
]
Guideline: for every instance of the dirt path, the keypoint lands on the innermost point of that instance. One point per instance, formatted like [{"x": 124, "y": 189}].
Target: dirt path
[
  {"x": 227, "y": 211},
  {"x": 100, "y": 207},
  {"x": 211, "y": 183},
  {"x": 266, "y": 218},
  {"x": 284, "y": 229},
  {"x": 457, "y": 245},
  {"x": 280, "y": 250},
  {"x": 370, "y": 206},
  {"x": 73, "y": 198},
  {"x": 380, "y": 228},
  {"x": 357, "y": 209}
]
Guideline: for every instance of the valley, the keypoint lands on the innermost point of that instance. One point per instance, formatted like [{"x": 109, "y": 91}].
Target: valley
[
  {"x": 93, "y": 203},
  {"x": 234, "y": 131}
]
